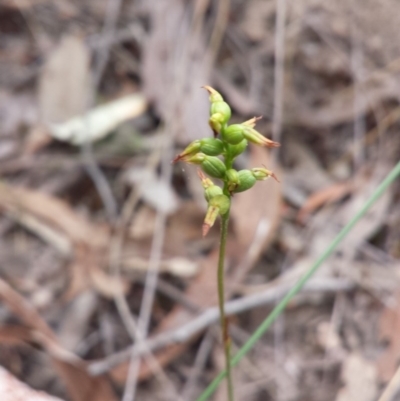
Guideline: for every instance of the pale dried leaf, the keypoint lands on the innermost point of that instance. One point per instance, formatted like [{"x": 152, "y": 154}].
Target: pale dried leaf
[
  {"x": 176, "y": 266},
  {"x": 100, "y": 121},
  {"x": 360, "y": 379},
  {"x": 11, "y": 389},
  {"x": 53, "y": 212}
]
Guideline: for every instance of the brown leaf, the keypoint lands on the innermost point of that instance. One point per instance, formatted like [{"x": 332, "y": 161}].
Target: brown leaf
[
  {"x": 55, "y": 212},
  {"x": 331, "y": 194},
  {"x": 11, "y": 389},
  {"x": 81, "y": 386}
]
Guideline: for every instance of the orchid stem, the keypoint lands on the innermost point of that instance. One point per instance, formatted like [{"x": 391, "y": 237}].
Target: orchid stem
[{"x": 221, "y": 298}]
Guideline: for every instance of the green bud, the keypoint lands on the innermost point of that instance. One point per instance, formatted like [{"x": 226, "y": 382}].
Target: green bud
[
  {"x": 218, "y": 205},
  {"x": 211, "y": 146},
  {"x": 232, "y": 178},
  {"x": 213, "y": 166},
  {"x": 233, "y": 134},
  {"x": 222, "y": 110},
  {"x": 192, "y": 148},
  {"x": 196, "y": 158},
  {"x": 246, "y": 180},
  {"x": 254, "y": 136},
  {"x": 212, "y": 191},
  {"x": 221, "y": 202},
  {"x": 261, "y": 174},
  {"x": 215, "y": 123},
  {"x": 236, "y": 150}
]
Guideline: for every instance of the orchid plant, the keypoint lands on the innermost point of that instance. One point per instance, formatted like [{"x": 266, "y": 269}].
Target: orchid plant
[{"x": 215, "y": 156}]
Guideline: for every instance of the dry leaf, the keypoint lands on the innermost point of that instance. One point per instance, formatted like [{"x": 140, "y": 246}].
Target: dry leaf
[
  {"x": 331, "y": 194},
  {"x": 360, "y": 378},
  {"x": 11, "y": 389},
  {"x": 72, "y": 370},
  {"x": 52, "y": 211},
  {"x": 100, "y": 121}
]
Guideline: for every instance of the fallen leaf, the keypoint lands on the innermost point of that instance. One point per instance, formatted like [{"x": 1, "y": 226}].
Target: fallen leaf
[
  {"x": 81, "y": 386},
  {"x": 360, "y": 378},
  {"x": 328, "y": 195},
  {"x": 11, "y": 389},
  {"x": 55, "y": 212},
  {"x": 100, "y": 121}
]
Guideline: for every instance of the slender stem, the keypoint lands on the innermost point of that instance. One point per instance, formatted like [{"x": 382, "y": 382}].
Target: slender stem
[{"x": 221, "y": 298}]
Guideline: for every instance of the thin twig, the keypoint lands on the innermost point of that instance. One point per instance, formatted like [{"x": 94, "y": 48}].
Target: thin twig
[
  {"x": 279, "y": 69},
  {"x": 198, "y": 365},
  {"x": 211, "y": 316}
]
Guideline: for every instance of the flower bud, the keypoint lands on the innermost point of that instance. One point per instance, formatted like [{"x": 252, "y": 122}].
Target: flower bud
[
  {"x": 211, "y": 146},
  {"x": 262, "y": 174},
  {"x": 234, "y": 134},
  {"x": 191, "y": 149},
  {"x": 254, "y": 136},
  {"x": 218, "y": 205},
  {"x": 236, "y": 150},
  {"x": 213, "y": 166},
  {"x": 208, "y": 146},
  {"x": 221, "y": 109},
  {"x": 232, "y": 178},
  {"x": 246, "y": 180},
  {"x": 212, "y": 192},
  {"x": 196, "y": 158}
]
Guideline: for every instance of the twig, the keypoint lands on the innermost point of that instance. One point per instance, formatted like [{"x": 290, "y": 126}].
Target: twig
[
  {"x": 279, "y": 69},
  {"x": 211, "y": 316},
  {"x": 92, "y": 168},
  {"x": 198, "y": 365}
]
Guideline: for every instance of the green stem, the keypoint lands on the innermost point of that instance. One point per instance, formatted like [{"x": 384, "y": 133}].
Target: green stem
[
  {"x": 221, "y": 298},
  {"x": 266, "y": 324}
]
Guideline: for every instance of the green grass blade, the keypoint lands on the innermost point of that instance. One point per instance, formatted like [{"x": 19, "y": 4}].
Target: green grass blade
[{"x": 266, "y": 324}]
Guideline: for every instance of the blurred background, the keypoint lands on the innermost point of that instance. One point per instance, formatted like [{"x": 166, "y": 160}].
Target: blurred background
[{"x": 100, "y": 235}]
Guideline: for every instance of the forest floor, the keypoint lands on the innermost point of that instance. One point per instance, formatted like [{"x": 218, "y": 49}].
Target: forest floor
[{"x": 96, "y": 99}]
